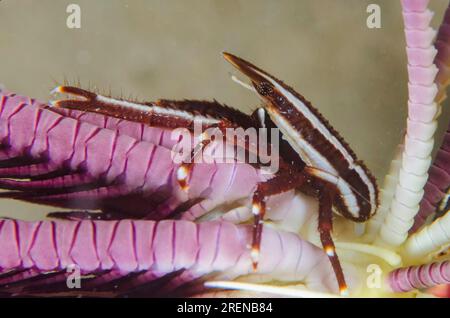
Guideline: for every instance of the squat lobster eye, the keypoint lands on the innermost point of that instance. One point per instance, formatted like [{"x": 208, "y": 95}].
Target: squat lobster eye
[{"x": 264, "y": 89}]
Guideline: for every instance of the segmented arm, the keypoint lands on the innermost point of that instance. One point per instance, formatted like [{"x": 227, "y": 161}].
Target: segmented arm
[
  {"x": 419, "y": 277},
  {"x": 442, "y": 59},
  {"x": 437, "y": 185},
  {"x": 153, "y": 249},
  {"x": 439, "y": 179},
  {"x": 421, "y": 124},
  {"x": 429, "y": 239},
  {"x": 386, "y": 196}
]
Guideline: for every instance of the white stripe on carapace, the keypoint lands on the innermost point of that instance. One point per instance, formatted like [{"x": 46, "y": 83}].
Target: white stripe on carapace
[
  {"x": 328, "y": 173},
  {"x": 346, "y": 192},
  {"x": 311, "y": 151},
  {"x": 158, "y": 110}
]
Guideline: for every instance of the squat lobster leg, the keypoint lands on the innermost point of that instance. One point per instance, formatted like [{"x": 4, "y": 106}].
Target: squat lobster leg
[
  {"x": 326, "y": 196},
  {"x": 285, "y": 181}
]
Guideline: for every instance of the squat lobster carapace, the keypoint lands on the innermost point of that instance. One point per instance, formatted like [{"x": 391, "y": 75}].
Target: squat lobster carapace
[
  {"x": 316, "y": 142},
  {"x": 345, "y": 181}
]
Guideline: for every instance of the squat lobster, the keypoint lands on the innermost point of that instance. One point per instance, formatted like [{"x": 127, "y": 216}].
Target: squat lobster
[{"x": 314, "y": 158}]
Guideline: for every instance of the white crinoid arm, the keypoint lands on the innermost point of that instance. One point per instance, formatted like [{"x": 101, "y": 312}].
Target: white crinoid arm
[
  {"x": 421, "y": 123},
  {"x": 429, "y": 240}
]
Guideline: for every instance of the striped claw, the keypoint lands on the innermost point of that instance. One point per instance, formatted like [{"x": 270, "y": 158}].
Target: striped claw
[
  {"x": 75, "y": 91},
  {"x": 72, "y": 90},
  {"x": 80, "y": 99}
]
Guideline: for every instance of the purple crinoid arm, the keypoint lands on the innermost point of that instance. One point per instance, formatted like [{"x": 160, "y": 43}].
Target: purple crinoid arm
[
  {"x": 439, "y": 173},
  {"x": 419, "y": 277},
  {"x": 147, "y": 258}
]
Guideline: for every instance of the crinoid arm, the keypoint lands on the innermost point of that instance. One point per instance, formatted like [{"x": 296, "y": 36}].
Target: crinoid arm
[{"x": 146, "y": 258}]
